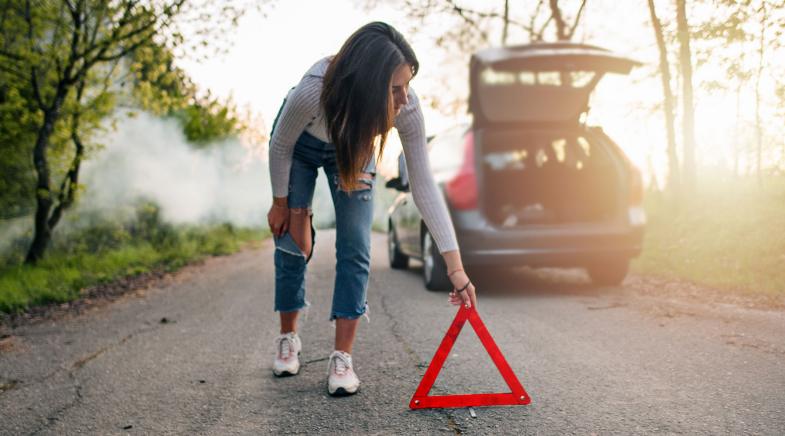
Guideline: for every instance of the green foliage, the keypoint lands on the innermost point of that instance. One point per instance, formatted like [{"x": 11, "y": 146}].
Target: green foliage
[
  {"x": 17, "y": 178},
  {"x": 723, "y": 236},
  {"x": 158, "y": 85},
  {"x": 106, "y": 250},
  {"x": 58, "y": 83},
  {"x": 208, "y": 119},
  {"x": 166, "y": 90},
  {"x": 65, "y": 66}
]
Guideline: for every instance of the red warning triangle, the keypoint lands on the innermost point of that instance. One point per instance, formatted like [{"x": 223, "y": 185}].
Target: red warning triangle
[{"x": 421, "y": 399}]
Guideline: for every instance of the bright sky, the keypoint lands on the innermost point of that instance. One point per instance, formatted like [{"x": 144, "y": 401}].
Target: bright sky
[{"x": 270, "y": 54}]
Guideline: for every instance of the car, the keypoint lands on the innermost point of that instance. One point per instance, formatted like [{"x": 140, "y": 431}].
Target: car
[{"x": 527, "y": 182}]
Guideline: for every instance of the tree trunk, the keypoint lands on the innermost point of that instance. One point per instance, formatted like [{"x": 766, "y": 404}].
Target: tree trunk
[
  {"x": 736, "y": 130},
  {"x": 673, "y": 180},
  {"x": 558, "y": 19},
  {"x": 506, "y": 21},
  {"x": 561, "y": 35},
  {"x": 758, "y": 74},
  {"x": 42, "y": 233},
  {"x": 71, "y": 180},
  {"x": 688, "y": 117}
]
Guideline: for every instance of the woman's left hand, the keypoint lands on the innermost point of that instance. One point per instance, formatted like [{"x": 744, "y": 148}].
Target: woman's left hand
[{"x": 468, "y": 296}]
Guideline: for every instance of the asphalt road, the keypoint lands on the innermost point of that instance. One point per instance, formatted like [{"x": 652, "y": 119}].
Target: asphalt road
[{"x": 192, "y": 355}]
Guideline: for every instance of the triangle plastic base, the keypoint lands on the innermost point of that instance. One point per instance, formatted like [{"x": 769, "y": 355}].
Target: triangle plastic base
[{"x": 421, "y": 399}]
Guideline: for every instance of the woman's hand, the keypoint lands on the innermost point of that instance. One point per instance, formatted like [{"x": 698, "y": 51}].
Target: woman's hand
[
  {"x": 278, "y": 217},
  {"x": 468, "y": 296},
  {"x": 459, "y": 280}
]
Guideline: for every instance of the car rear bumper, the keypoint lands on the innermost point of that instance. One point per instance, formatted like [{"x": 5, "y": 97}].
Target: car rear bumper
[{"x": 565, "y": 246}]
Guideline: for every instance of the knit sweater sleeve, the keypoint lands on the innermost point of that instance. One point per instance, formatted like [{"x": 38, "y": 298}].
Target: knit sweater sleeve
[
  {"x": 429, "y": 200},
  {"x": 301, "y": 108}
]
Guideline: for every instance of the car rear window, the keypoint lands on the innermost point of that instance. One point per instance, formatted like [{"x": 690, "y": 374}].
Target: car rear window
[
  {"x": 504, "y": 151},
  {"x": 575, "y": 79}
]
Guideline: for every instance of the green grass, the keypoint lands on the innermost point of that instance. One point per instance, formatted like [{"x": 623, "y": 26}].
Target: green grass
[
  {"x": 109, "y": 251},
  {"x": 729, "y": 235}
]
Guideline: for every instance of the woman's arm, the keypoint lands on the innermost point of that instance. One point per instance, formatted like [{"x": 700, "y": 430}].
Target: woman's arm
[
  {"x": 429, "y": 200},
  {"x": 300, "y": 108},
  {"x": 427, "y": 197}
]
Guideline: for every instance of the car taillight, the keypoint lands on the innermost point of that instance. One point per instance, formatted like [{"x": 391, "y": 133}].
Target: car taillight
[
  {"x": 635, "y": 187},
  {"x": 462, "y": 189}
]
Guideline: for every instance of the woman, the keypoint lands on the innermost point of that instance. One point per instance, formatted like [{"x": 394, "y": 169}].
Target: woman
[{"x": 342, "y": 106}]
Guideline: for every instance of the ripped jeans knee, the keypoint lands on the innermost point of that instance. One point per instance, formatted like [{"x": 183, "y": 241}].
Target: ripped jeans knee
[
  {"x": 301, "y": 215},
  {"x": 290, "y": 267},
  {"x": 363, "y": 189}
]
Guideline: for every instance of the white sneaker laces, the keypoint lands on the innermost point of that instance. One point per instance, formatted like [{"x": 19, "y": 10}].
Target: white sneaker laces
[
  {"x": 342, "y": 364},
  {"x": 284, "y": 346}
]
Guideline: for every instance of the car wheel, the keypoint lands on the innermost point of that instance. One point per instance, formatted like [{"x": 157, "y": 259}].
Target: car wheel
[
  {"x": 434, "y": 270},
  {"x": 610, "y": 272},
  {"x": 398, "y": 260}
]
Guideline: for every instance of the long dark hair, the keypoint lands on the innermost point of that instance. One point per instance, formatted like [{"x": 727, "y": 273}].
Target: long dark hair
[{"x": 356, "y": 95}]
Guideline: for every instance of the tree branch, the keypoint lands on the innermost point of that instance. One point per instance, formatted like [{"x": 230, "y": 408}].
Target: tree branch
[
  {"x": 542, "y": 29},
  {"x": 533, "y": 36},
  {"x": 577, "y": 19},
  {"x": 21, "y": 74},
  {"x": 70, "y": 183},
  {"x": 558, "y": 19},
  {"x": 99, "y": 17},
  {"x": 99, "y": 57},
  {"x": 506, "y": 21},
  {"x": 70, "y": 7},
  {"x": 118, "y": 39},
  {"x": 10, "y": 55},
  {"x": 124, "y": 51},
  {"x": 462, "y": 11},
  {"x": 33, "y": 70},
  {"x": 104, "y": 45},
  {"x": 73, "y": 56}
]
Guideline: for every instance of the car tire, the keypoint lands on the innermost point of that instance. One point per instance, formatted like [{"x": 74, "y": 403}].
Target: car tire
[
  {"x": 398, "y": 260},
  {"x": 610, "y": 272},
  {"x": 434, "y": 269}
]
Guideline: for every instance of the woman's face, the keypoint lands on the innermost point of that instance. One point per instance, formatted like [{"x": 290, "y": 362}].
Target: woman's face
[{"x": 400, "y": 86}]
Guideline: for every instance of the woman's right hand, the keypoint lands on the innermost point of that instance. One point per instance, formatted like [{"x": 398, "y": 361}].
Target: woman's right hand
[
  {"x": 468, "y": 296},
  {"x": 278, "y": 218}
]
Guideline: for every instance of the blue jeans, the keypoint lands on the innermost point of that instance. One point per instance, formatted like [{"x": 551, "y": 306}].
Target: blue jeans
[{"x": 353, "y": 218}]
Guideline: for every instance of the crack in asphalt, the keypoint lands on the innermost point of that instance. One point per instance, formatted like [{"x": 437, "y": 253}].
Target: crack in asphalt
[
  {"x": 76, "y": 385},
  {"x": 55, "y": 416},
  {"x": 739, "y": 340},
  {"x": 7, "y": 385},
  {"x": 452, "y": 424},
  {"x": 79, "y": 363},
  {"x": 612, "y": 305}
]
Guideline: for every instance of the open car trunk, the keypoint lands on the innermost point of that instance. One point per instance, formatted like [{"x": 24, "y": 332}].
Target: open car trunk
[
  {"x": 537, "y": 164},
  {"x": 541, "y": 83},
  {"x": 548, "y": 177}
]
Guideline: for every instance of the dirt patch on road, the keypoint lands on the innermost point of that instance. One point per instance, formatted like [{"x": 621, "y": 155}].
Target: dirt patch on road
[
  {"x": 8, "y": 343},
  {"x": 695, "y": 293},
  {"x": 91, "y": 298},
  {"x": 575, "y": 282},
  {"x": 96, "y": 297}
]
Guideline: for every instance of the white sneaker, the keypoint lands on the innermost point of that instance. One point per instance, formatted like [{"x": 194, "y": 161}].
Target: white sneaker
[
  {"x": 287, "y": 352},
  {"x": 341, "y": 379}
]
